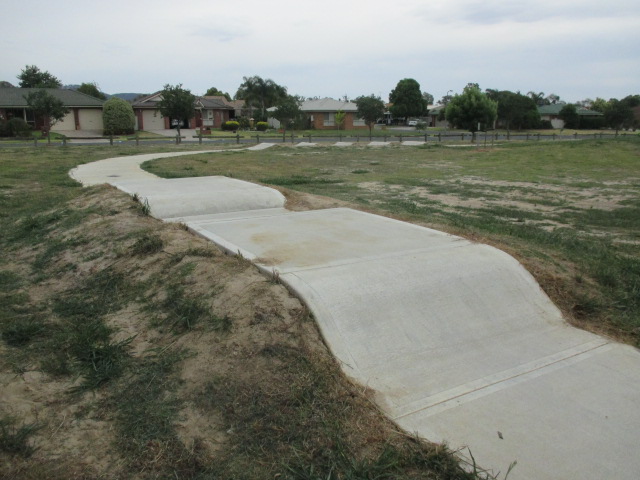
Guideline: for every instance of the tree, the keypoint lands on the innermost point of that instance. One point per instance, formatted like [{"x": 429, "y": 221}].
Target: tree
[
  {"x": 471, "y": 108},
  {"x": 370, "y": 108},
  {"x": 177, "y": 103},
  {"x": 32, "y": 77},
  {"x": 599, "y": 105},
  {"x": 46, "y": 107},
  {"x": 118, "y": 117},
  {"x": 407, "y": 99},
  {"x": 260, "y": 93},
  {"x": 340, "y": 118},
  {"x": 92, "y": 90},
  {"x": 428, "y": 98},
  {"x": 214, "y": 92},
  {"x": 618, "y": 114},
  {"x": 514, "y": 109},
  {"x": 288, "y": 111},
  {"x": 538, "y": 98},
  {"x": 569, "y": 115}
]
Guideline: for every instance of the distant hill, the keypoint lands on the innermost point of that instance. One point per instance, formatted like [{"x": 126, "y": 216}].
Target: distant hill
[{"x": 128, "y": 96}]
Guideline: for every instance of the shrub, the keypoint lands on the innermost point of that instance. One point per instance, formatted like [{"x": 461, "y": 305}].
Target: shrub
[
  {"x": 230, "y": 126},
  {"x": 118, "y": 117},
  {"x": 546, "y": 124},
  {"x": 15, "y": 127},
  {"x": 244, "y": 122},
  {"x": 262, "y": 126}
]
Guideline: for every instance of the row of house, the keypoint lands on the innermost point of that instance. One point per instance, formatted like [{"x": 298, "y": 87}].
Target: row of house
[{"x": 209, "y": 112}]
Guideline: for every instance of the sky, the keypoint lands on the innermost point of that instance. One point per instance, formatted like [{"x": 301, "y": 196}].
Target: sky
[{"x": 576, "y": 49}]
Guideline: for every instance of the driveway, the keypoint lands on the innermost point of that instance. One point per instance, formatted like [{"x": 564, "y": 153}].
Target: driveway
[{"x": 456, "y": 339}]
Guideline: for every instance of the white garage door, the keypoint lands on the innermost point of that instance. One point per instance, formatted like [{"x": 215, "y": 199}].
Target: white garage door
[
  {"x": 90, "y": 119},
  {"x": 66, "y": 124},
  {"x": 152, "y": 120}
]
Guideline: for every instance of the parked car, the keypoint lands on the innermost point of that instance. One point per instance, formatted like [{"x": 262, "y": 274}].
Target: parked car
[{"x": 412, "y": 123}]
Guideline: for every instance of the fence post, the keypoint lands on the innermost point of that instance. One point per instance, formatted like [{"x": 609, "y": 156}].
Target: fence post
[
  {"x": 283, "y": 136},
  {"x": 358, "y": 138},
  {"x": 292, "y": 137},
  {"x": 64, "y": 141},
  {"x": 554, "y": 136},
  {"x": 425, "y": 138},
  {"x": 400, "y": 136},
  {"x": 527, "y": 137},
  {"x": 439, "y": 136},
  {"x": 575, "y": 136},
  {"x": 35, "y": 141},
  {"x": 237, "y": 138},
  {"x": 137, "y": 140},
  {"x": 200, "y": 137},
  {"x": 309, "y": 138},
  {"x": 258, "y": 138},
  {"x": 110, "y": 139}
]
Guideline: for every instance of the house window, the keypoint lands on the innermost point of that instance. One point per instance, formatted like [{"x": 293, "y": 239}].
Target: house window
[
  {"x": 329, "y": 119},
  {"x": 358, "y": 122}
]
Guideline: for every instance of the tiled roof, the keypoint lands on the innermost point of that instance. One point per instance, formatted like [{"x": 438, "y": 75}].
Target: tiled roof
[
  {"x": 15, "y": 97},
  {"x": 328, "y": 105}
]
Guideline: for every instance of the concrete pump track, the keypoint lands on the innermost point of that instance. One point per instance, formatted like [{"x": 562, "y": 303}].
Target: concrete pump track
[{"x": 456, "y": 338}]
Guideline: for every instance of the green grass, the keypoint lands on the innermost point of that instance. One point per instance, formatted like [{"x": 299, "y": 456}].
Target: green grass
[{"x": 539, "y": 200}]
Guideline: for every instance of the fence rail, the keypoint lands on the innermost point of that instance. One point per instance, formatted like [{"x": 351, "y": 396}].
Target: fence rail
[{"x": 484, "y": 138}]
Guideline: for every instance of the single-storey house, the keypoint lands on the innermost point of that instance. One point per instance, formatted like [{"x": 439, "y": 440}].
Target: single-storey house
[
  {"x": 85, "y": 110},
  {"x": 552, "y": 114},
  {"x": 208, "y": 112},
  {"x": 320, "y": 114},
  {"x": 433, "y": 116}
]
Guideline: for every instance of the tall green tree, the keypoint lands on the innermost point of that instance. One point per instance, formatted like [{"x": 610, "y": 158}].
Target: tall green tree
[
  {"x": 569, "y": 115},
  {"x": 92, "y": 90},
  {"x": 214, "y": 92},
  {"x": 515, "y": 110},
  {"x": 428, "y": 98},
  {"x": 407, "y": 99},
  {"x": 46, "y": 107},
  {"x": 177, "y": 103},
  {"x": 260, "y": 93},
  {"x": 618, "y": 114},
  {"x": 370, "y": 109},
  {"x": 32, "y": 77},
  {"x": 471, "y": 108},
  {"x": 599, "y": 105},
  {"x": 118, "y": 117},
  {"x": 288, "y": 111}
]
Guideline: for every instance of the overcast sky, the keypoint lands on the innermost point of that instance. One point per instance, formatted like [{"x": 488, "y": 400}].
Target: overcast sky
[{"x": 573, "y": 48}]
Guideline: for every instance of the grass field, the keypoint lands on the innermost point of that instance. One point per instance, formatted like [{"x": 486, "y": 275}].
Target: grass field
[
  {"x": 132, "y": 349},
  {"x": 569, "y": 211}
]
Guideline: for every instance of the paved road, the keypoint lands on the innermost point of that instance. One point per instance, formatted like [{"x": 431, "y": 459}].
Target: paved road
[{"x": 456, "y": 338}]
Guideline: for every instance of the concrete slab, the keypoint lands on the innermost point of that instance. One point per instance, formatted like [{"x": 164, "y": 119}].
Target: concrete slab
[
  {"x": 306, "y": 144},
  {"x": 343, "y": 144},
  {"x": 379, "y": 144},
  {"x": 412, "y": 143},
  {"x": 456, "y": 338}
]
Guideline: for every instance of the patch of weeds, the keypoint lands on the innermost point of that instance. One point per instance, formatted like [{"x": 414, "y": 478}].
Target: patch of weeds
[
  {"x": 299, "y": 180},
  {"x": 53, "y": 249},
  {"x": 35, "y": 227},
  {"x": 360, "y": 171},
  {"x": 183, "y": 313},
  {"x": 146, "y": 410},
  {"x": 22, "y": 330},
  {"x": 14, "y": 439},
  {"x": 142, "y": 205},
  {"x": 147, "y": 244},
  {"x": 9, "y": 281}
]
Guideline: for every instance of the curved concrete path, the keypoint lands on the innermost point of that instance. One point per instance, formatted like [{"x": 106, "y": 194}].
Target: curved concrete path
[{"x": 457, "y": 339}]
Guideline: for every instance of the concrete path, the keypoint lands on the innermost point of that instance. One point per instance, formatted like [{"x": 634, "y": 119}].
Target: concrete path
[{"x": 457, "y": 339}]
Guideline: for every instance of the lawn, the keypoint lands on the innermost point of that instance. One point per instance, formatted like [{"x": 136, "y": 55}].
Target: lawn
[
  {"x": 569, "y": 211},
  {"x": 131, "y": 348}
]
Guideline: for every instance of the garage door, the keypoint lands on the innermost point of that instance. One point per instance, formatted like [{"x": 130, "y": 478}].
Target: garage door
[
  {"x": 152, "y": 120},
  {"x": 90, "y": 119},
  {"x": 66, "y": 124}
]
